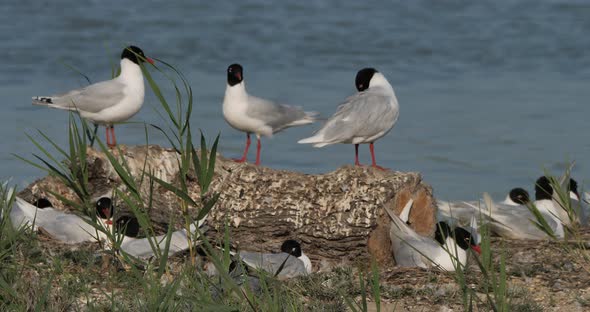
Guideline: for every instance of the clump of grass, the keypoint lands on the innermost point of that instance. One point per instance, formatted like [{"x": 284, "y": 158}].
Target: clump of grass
[
  {"x": 371, "y": 286},
  {"x": 328, "y": 288}
]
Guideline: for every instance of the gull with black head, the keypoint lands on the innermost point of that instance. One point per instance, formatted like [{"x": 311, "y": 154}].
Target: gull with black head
[
  {"x": 252, "y": 114},
  {"x": 65, "y": 227},
  {"x": 362, "y": 118},
  {"x": 143, "y": 248},
  {"x": 290, "y": 262},
  {"x": 447, "y": 251},
  {"x": 107, "y": 102}
]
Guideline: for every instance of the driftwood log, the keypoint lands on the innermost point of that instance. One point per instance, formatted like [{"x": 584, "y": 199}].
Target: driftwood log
[{"x": 337, "y": 216}]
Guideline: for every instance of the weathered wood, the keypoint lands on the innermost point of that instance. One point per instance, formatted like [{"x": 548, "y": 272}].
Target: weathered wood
[{"x": 337, "y": 216}]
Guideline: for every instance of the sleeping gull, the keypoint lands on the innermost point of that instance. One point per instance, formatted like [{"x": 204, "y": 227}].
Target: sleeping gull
[
  {"x": 508, "y": 220},
  {"x": 413, "y": 250},
  {"x": 290, "y": 262},
  {"x": 142, "y": 247},
  {"x": 65, "y": 227}
]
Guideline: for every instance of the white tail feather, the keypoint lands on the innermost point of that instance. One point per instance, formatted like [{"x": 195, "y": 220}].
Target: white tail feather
[
  {"x": 318, "y": 138},
  {"x": 405, "y": 214}
]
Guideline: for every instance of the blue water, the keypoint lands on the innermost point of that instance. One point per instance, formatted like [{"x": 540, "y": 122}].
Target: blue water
[{"x": 490, "y": 93}]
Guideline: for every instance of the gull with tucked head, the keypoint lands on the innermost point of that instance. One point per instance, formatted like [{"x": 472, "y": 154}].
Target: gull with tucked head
[{"x": 362, "y": 118}]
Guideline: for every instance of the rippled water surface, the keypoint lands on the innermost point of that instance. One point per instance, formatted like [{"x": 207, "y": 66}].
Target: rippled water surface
[{"x": 490, "y": 93}]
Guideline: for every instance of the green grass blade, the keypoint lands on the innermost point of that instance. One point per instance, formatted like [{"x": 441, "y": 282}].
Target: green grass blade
[
  {"x": 352, "y": 305},
  {"x": 208, "y": 205},
  {"x": 56, "y": 171},
  {"x": 32, "y": 163},
  {"x": 160, "y": 96},
  {"x": 502, "y": 287},
  {"x": 76, "y": 70},
  {"x": 167, "y": 137},
  {"x": 204, "y": 163},
  {"x": 164, "y": 258},
  {"x": 363, "y": 288},
  {"x": 375, "y": 285},
  {"x": 196, "y": 163},
  {"x": 46, "y": 153},
  {"x": 211, "y": 169},
  {"x": 40, "y": 305},
  {"x": 178, "y": 192},
  {"x": 121, "y": 172},
  {"x": 50, "y": 141}
]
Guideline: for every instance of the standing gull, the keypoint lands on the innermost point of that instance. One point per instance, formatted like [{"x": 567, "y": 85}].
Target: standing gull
[
  {"x": 251, "y": 114},
  {"x": 107, "y": 102},
  {"x": 363, "y": 117}
]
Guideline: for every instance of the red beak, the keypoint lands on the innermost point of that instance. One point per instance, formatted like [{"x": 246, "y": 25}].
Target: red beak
[
  {"x": 109, "y": 222},
  {"x": 239, "y": 75},
  {"x": 149, "y": 60},
  {"x": 476, "y": 249}
]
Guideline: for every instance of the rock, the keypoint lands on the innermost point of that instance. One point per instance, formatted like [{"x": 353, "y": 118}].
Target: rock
[{"x": 337, "y": 216}]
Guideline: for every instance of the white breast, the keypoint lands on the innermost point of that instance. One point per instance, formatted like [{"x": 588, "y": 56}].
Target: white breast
[
  {"x": 235, "y": 105},
  {"x": 449, "y": 257},
  {"x": 132, "y": 77}
]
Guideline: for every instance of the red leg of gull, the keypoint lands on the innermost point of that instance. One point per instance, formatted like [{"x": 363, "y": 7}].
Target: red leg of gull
[
  {"x": 258, "y": 146},
  {"x": 108, "y": 136},
  {"x": 111, "y": 142},
  {"x": 374, "y": 164},
  {"x": 114, "y": 138},
  {"x": 356, "y": 155},
  {"x": 243, "y": 159}
]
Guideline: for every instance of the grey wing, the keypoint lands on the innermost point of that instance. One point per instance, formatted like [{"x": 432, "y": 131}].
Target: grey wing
[
  {"x": 293, "y": 267},
  {"x": 460, "y": 213},
  {"x": 142, "y": 248},
  {"x": 139, "y": 248},
  {"x": 518, "y": 223},
  {"x": 364, "y": 114},
  {"x": 272, "y": 262},
  {"x": 415, "y": 251},
  {"x": 253, "y": 259},
  {"x": 277, "y": 116},
  {"x": 406, "y": 255},
  {"x": 408, "y": 245},
  {"x": 69, "y": 228},
  {"x": 22, "y": 213},
  {"x": 582, "y": 210},
  {"x": 92, "y": 98}
]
